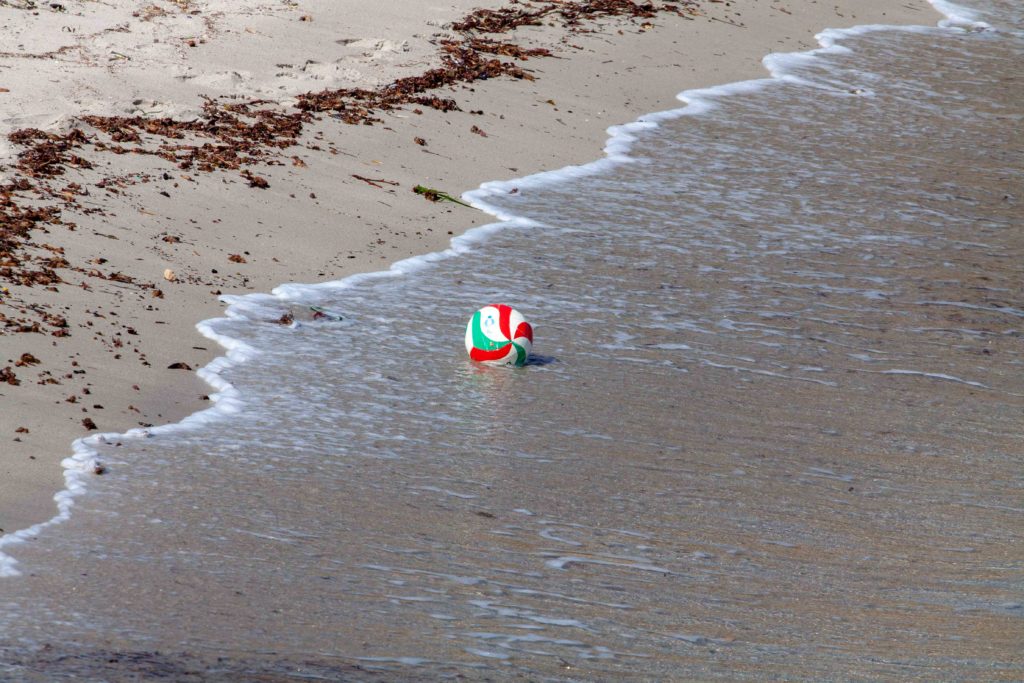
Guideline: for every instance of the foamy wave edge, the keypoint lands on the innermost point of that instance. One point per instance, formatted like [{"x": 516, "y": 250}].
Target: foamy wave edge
[{"x": 228, "y": 401}]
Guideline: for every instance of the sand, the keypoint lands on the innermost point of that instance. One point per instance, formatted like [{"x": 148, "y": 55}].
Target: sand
[{"x": 337, "y": 203}]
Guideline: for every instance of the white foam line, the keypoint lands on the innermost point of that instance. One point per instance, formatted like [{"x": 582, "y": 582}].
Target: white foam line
[
  {"x": 958, "y": 16},
  {"x": 931, "y": 375},
  {"x": 767, "y": 373},
  {"x": 227, "y": 400}
]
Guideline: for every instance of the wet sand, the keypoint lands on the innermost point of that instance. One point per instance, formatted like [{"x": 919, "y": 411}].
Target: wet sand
[{"x": 125, "y": 358}]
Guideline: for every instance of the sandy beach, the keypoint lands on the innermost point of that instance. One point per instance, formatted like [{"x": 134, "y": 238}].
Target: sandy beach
[{"x": 203, "y": 171}]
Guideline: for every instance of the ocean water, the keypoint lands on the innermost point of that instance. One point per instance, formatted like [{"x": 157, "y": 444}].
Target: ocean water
[{"x": 773, "y": 425}]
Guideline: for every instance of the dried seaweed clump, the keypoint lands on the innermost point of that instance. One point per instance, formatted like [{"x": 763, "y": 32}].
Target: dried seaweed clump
[
  {"x": 464, "y": 60},
  {"x": 48, "y": 153},
  {"x": 16, "y": 224},
  {"x": 571, "y": 14},
  {"x": 226, "y": 136},
  {"x": 461, "y": 62}
]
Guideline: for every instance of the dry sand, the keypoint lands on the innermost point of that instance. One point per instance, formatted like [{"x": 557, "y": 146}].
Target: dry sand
[{"x": 316, "y": 220}]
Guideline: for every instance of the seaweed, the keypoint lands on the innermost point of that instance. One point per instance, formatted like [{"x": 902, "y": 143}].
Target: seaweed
[{"x": 437, "y": 195}]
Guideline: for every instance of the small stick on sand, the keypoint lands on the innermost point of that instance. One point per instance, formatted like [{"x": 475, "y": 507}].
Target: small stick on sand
[{"x": 374, "y": 181}]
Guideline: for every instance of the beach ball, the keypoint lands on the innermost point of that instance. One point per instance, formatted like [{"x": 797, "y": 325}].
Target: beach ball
[{"x": 499, "y": 334}]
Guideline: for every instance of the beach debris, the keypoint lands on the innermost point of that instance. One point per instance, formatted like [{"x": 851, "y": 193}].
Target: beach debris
[
  {"x": 571, "y": 13},
  {"x": 507, "y": 49},
  {"x": 48, "y": 153},
  {"x": 237, "y": 258},
  {"x": 98, "y": 468},
  {"x": 479, "y": 131},
  {"x": 89, "y": 424},
  {"x": 727, "y": 21},
  {"x": 420, "y": 141},
  {"x": 437, "y": 195},
  {"x": 498, "y": 334},
  {"x": 255, "y": 180},
  {"x": 7, "y": 375},
  {"x": 170, "y": 276},
  {"x": 375, "y": 181},
  {"x": 180, "y": 365},
  {"x": 26, "y": 359},
  {"x": 320, "y": 313},
  {"x": 21, "y": 430}
]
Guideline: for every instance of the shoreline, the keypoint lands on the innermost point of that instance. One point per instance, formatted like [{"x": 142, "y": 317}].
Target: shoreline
[{"x": 564, "y": 101}]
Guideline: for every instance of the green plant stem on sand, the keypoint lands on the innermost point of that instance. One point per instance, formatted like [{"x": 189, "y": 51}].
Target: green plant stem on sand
[{"x": 437, "y": 195}]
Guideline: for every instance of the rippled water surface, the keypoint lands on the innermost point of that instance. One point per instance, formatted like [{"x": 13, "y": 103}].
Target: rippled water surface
[{"x": 773, "y": 426}]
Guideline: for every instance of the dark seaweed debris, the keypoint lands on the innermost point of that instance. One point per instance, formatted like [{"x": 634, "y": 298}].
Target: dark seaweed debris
[
  {"x": 460, "y": 63},
  {"x": 17, "y": 222},
  {"x": 226, "y": 136},
  {"x": 571, "y": 14},
  {"x": 48, "y": 153}
]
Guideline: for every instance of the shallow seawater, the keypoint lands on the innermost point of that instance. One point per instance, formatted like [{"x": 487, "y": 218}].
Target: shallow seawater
[{"x": 773, "y": 425}]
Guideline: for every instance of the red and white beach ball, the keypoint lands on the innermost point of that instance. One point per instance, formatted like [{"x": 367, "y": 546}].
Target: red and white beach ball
[{"x": 499, "y": 334}]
